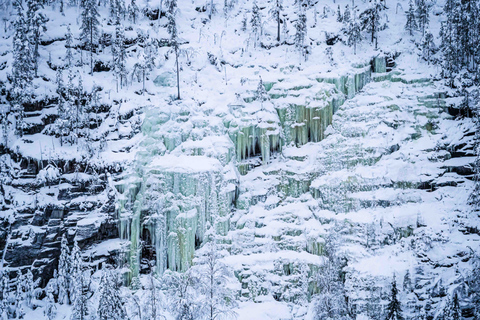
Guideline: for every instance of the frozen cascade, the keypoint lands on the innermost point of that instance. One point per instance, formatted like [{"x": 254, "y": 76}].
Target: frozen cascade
[
  {"x": 186, "y": 174},
  {"x": 184, "y": 178}
]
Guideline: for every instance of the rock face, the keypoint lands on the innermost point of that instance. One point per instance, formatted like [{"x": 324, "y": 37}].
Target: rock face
[{"x": 71, "y": 193}]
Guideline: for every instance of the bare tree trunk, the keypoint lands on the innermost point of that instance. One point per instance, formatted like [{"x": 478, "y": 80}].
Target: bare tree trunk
[
  {"x": 178, "y": 72},
  {"x": 91, "y": 49},
  {"x": 278, "y": 25}
]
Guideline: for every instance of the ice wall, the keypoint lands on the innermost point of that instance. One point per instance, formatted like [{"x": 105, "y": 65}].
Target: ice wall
[{"x": 185, "y": 176}]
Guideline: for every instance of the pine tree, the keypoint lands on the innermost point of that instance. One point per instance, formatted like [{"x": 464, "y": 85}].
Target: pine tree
[
  {"x": 50, "y": 309},
  {"x": 339, "y": 15},
  {"x": 173, "y": 32},
  {"x": 428, "y": 46},
  {"x": 301, "y": 31},
  {"x": 145, "y": 60},
  {"x": 353, "y": 33},
  {"x": 275, "y": 12},
  {"x": 422, "y": 15},
  {"x": 30, "y": 288},
  {"x": 133, "y": 11},
  {"x": 261, "y": 94},
  {"x": 116, "y": 9},
  {"x": 75, "y": 269},
  {"x": 110, "y": 306},
  {"x": 19, "y": 296},
  {"x": 394, "y": 310},
  {"x": 64, "y": 266},
  {"x": 473, "y": 282},
  {"x": 68, "y": 47},
  {"x": 256, "y": 22},
  {"x": 119, "y": 54},
  {"x": 22, "y": 57},
  {"x": 370, "y": 19},
  {"x": 89, "y": 27},
  {"x": 4, "y": 293},
  {"x": 407, "y": 282},
  {"x": 36, "y": 23},
  {"x": 346, "y": 15},
  {"x": 411, "y": 24},
  {"x": 82, "y": 292}
]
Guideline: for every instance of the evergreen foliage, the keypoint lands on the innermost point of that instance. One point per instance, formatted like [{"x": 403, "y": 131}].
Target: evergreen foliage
[
  {"x": 275, "y": 12},
  {"x": 261, "y": 94},
  {"x": 301, "y": 32},
  {"x": 90, "y": 28},
  {"x": 64, "y": 266},
  {"x": 110, "y": 306},
  {"x": 411, "y": 23},
  {"x": 394, "y": 310},
  {"x": 370, "y": 19},
  {"x": 346, "y": 15},
  {"x": 353, "y": 33},
  {"x": 422, "y": 15},
  {"x": 36, "y": 24},
  {"x": 256, "y": 23}
]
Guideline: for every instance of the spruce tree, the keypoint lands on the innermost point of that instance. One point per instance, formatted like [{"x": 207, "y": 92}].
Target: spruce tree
[
  {"x": 36, "y": 24},
  {"x": 133, "y": 11},
  {"x": 301, "y": 31},
  {"x": 30, "y": 287},
  {"x": 261, "y": 94},
  {"x": 68, "y": 47},
  {"x": 75, "y": 269},
  {"x": 411, "y": 24},
  {"x": 22, "y": 67},
  {"x": 275, "y": 12},
  {"x": 474, "y": 285},
  {"x": 22, "y": 56},
  {"x": 89, "y": 27},
  {"x": 4, "y": 293},
  {"x": 256, "y": 22},
  {"x": 339, "y": 15},
  {"x": 173, "y": 32},
  {"x": 370, "y": 19},
  {"x": 422, "y": 15},
  {"x": 64, "y": 265},
  {"x": 455, "y": 311},
  {"x": 394, "y": 310},
  {"x": 428, "y": 46},
  {"x": 110, "y": 306},
  {"x": 81, "y": 308},
  {"x": 407, "y": 282},
  {"x": 145, "y": 60},
  {"x": 119, "y": 54},
  {"x": 19, "y": 296},
  {"x": 346, "y": 15},
  {"x": 330, "y": 302},
  {"x": 50, "y": 310},
  {"x": 353, "y": 32}
]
